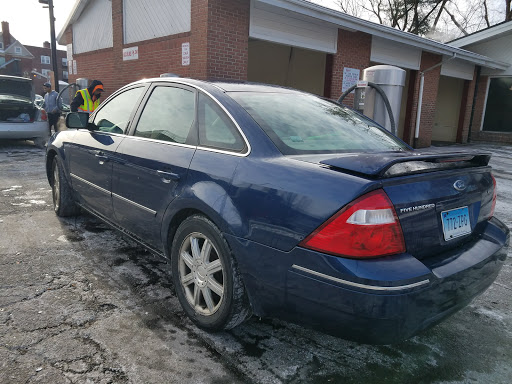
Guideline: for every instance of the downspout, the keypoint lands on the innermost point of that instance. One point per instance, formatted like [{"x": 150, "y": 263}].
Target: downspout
[
  {"x": 478, "y": 70},
  {"x": 420, "y": 98}
]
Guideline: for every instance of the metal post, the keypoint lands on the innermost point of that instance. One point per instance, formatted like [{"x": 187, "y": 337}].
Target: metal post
[{"x": 54, "y": 47}]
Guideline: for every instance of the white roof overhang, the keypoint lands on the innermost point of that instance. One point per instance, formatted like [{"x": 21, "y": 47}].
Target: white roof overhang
[
  {"x": 353, "y": 23},
  {"x": 483, "y": 35},
  {"x": 76, "y": 11}
]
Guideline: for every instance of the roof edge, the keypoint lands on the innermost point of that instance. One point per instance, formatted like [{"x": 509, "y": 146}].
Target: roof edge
[
  {"x": 75, "y": 13},
  {"x": 483, "y": 35},
  {"x": 354, "y": 23}
]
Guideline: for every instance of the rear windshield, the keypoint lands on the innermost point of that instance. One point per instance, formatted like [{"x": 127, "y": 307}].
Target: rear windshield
[{"x": 306, "y": 124}]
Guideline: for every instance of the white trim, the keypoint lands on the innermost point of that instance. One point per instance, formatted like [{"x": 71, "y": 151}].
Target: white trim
[
  {"x": 481, "y": 36},
  {"x": 364, "y": 286},
  {"x": 485, "y": 103}
]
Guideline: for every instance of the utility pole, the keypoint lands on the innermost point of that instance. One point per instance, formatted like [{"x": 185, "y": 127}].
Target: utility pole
[{"x": 53, "y": 43}]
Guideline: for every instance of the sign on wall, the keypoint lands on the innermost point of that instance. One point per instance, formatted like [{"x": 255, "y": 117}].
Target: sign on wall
[
  {"x": 74, "y": 67},
  {"x": 350, "y": 78},
  {"x": 131, "y": 53},
  {"x": 70, "y": 67},
  {"x": 185, "y": 54}
]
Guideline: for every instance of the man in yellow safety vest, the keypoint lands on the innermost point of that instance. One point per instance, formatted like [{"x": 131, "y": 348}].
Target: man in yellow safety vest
[{"x": 88, "y": 99}]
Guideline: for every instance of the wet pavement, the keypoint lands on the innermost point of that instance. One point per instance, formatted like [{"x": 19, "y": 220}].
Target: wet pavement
[{"x": 80, "y": 303}]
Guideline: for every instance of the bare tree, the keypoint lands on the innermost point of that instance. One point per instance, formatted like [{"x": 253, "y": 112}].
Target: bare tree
[{"x": 436, "y": 18}]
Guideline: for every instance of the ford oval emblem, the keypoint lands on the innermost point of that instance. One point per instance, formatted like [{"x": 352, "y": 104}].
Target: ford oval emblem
[{"x": 459, "y": 185}]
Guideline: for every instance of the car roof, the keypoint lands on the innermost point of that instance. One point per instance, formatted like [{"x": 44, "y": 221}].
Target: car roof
[{"x": 224, "y": 86}]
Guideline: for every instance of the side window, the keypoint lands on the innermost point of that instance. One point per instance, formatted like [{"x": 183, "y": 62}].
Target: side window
[
  {"x": 168, "y": 115},
  {"x": 216, "y": 130},
  {"x": 114, "y": 116}
]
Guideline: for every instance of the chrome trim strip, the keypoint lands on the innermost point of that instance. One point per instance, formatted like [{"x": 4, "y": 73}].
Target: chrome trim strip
[
  {"x": 90, "y": 184},
  {"x": 135, "y": 204},
  {"x": 358, "y": 285}
]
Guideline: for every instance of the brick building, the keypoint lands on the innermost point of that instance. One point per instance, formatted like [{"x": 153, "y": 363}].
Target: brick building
[
  {"x": 42, "y": 65},
  {"x": 17, "y": 59},
  {"x": 287, "y": 42}
]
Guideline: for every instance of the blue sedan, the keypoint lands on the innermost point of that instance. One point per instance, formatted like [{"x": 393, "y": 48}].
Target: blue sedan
[{"x": 278, "y": 203}]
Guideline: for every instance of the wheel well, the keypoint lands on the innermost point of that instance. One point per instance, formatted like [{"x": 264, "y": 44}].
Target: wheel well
[
  {"x": 49, "y": 161},
  {"x": 177, "y": 219}
]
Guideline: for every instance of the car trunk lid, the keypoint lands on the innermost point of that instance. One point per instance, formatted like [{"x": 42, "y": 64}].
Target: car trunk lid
[{"x": 441, "y": 198}]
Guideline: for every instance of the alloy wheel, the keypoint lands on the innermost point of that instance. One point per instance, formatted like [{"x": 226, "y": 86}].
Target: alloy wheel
[{"x": 201, "y": 273}]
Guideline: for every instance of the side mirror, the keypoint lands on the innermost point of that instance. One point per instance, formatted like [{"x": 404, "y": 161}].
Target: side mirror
[{"x": 77, "y": 120}]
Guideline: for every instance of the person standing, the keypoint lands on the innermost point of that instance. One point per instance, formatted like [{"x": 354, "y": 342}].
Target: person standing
[
  {"x": 87, "y": 99},
  {"x": 51, "y": 106}
]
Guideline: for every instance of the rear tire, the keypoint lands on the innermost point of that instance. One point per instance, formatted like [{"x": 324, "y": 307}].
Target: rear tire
[
  {"x": 208, "y": 284},
  {"x": 63, "y": 202}
]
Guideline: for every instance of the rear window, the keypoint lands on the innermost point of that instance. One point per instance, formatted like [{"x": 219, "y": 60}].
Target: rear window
[{"x": 306, "y": 124}]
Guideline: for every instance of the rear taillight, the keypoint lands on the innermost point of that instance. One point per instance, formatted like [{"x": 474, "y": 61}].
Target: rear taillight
[
  {"x": 494, "y": 195},
  {"x": 43, "y": 116},
  {"x": 367, "y": 227}
]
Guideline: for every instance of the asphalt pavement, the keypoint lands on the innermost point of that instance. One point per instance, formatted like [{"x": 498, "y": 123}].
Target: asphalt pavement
[{"x": 80, "y": 303}]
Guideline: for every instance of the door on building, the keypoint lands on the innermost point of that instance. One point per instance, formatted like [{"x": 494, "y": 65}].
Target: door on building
[
  {"x": 498, "y": 110},
  {"x": 285, "y": 65},
  {"x": 446, "y": 120}
]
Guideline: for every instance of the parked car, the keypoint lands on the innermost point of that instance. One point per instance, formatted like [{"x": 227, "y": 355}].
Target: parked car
[
  {"x": 282, "y": 204},
  {"x": 20, "y": 117},
  {"x": 39, "y": 100}
]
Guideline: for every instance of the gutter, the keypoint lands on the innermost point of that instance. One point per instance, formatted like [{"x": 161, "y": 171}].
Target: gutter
[{"x": 420, "y": 97}]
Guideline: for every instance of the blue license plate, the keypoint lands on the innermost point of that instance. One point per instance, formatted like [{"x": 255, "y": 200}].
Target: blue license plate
[{"x": 456, "y": 223}]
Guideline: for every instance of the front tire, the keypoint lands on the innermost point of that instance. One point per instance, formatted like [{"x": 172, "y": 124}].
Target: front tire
[
  {"x": 63, "y": 203},
  {"x": 208, "y": 284}
]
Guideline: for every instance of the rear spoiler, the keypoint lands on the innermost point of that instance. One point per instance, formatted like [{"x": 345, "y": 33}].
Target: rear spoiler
[{"x": 383, "y": 165}]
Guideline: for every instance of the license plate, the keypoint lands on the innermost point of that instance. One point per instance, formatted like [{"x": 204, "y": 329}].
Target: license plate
[{"x": 455, "y": 223}]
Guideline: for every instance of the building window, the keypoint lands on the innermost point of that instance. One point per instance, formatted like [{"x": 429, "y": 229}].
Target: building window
[
  {"x": 17, "y": 50},
  {"x": 64, "y": 62},
  {"x": 65, "y": 75},
  {"x": 498, "y": 110},
  {"x": 45, "y": 59},
  {"x": 1, "y": 45},
  {"x": 46, "y": 73}
]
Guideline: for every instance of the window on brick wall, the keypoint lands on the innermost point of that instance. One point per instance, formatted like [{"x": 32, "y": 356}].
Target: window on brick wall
[
  {"x": 498, "y": 110},
  {"x": 1, "y": 45},
  {"x": 45, "y": 59},
  {"x": 65, "y": 75},
  {"x": 46, "y": 72},
  {"x": 64, "y": 62}
]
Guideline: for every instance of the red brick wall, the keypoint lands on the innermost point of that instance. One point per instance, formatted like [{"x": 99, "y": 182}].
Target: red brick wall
[
  {"x": 354, "y": 50},
  {"x": 37, "y": 52},
  {"x": 218, "y": 47},
  {"x": 428, "y": 108},
  {"x": 228, "y": 39}
]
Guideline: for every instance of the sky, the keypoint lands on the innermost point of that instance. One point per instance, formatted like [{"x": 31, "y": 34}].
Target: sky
[{"x": 29, "y": 22}]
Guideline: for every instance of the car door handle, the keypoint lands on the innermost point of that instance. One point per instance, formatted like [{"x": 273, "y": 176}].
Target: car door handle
[
  {"x": 102, "y": 158},
  {"x": 167, "y": 177}
]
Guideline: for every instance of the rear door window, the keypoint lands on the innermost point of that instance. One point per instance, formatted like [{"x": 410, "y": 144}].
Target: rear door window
[{"x": 168, "y": 115}]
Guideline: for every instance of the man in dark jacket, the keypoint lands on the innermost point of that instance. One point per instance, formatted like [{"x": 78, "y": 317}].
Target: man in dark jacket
[{"x": 88, "y": 99}]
